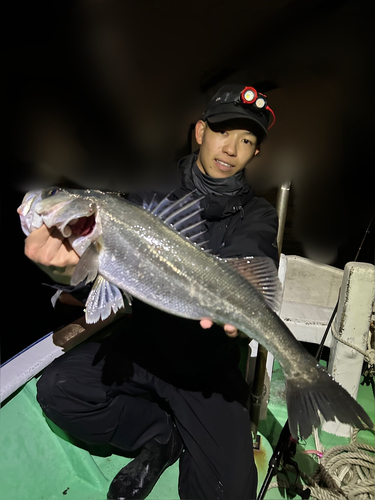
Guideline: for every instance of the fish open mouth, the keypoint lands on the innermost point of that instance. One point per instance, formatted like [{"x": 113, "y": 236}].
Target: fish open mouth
[{"x": 82, "y": 226}]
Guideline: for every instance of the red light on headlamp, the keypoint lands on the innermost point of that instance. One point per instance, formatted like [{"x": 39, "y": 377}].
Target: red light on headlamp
[{"x": 249, "y": 95}]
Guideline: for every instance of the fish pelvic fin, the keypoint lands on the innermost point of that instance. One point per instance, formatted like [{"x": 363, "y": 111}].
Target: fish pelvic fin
[
  {"x": 262, "y": 273},
  {"x": 309, "y": 399},
  {"x": 102, "y": 300}
]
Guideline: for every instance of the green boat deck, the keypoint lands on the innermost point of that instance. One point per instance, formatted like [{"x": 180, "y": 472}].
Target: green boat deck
[{"x": 40, "y": 462}]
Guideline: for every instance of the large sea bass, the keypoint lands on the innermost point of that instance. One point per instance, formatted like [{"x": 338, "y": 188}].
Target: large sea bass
[{"x": 154, "y": 253}]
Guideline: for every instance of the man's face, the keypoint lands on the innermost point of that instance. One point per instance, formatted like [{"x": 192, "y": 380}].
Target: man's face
[{"x": 224, "y": 150}]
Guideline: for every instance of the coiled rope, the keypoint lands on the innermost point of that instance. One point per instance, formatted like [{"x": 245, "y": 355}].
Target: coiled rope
[{"x": 345, "y": 472}]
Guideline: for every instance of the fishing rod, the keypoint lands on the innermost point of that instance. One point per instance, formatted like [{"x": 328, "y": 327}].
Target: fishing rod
[{"x": 285, "y": 448}]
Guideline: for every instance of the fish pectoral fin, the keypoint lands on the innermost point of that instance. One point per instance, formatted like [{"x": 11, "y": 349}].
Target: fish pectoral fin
[
  {"x": 102, "y": 300},
  {"x": 262, "y": 273},
  {"x": 87, "y": 267}
]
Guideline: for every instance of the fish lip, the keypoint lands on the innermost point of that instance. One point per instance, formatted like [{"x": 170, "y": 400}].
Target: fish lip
[{"x": 29, "y": 219}]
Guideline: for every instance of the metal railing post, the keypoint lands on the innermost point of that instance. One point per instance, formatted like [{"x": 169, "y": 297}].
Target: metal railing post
[{"x": 257, "y": 391}]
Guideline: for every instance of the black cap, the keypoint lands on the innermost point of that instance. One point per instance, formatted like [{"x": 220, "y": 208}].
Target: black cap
[{"x": 238, "y": 102}]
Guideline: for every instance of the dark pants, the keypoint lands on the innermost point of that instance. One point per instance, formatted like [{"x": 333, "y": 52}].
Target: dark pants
[{"x": 218, "y": 459}]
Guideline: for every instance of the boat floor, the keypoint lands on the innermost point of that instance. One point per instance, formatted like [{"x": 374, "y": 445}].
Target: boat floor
[{"x": 40, "y": 462}]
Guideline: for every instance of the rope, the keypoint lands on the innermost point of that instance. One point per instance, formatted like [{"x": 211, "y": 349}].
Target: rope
[
  {"x": 345, "y": 472},
  {"x": 369, "y": 354}
]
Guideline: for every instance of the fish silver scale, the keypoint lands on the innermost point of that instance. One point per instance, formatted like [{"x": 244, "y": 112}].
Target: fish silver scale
[
  {"x": 145, "y": 257},
  {"x": 157, "y": 265}
]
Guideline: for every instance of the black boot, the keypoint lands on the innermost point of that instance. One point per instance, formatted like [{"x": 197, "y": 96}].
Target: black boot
[{"x": 137, "y": 479}]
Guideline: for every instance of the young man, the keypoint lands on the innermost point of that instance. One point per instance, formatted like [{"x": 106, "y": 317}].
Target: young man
[{"x": 161, "y": 384}]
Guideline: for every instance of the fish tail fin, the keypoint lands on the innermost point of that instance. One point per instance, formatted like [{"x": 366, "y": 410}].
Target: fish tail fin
[{"x": 320, "y": 394}]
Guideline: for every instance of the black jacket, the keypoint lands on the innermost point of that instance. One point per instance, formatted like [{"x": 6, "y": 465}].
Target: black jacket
[
  {"x": 179, "y": 350},
  {"x": 237, "y": 225}
]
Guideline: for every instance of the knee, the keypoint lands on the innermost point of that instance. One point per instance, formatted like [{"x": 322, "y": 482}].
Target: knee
[{"x": 49, "y": 386}]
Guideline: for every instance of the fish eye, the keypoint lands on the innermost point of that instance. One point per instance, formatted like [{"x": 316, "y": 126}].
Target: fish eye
[{"x": 53, "y": 191}]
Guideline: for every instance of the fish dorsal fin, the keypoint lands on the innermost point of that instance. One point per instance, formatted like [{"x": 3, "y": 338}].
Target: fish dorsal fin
[
  {"x": 261, "y": 272},
  {"x": 184, "y": 215}
]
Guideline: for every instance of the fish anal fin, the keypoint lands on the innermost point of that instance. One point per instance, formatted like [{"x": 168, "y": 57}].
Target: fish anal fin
[
  {"x": 87, "y": 267},
  {"x": 102, "y": 300},
  {"x": 262, "y": 273}
]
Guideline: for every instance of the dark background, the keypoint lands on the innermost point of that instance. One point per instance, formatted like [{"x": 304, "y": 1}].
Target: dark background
[{"x": 104, "y": 94}]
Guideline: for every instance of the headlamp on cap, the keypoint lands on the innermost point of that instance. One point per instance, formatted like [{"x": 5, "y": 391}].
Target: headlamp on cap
[
  {"x": 235, "y": 102},
  {"x": 259, "y": 101}
]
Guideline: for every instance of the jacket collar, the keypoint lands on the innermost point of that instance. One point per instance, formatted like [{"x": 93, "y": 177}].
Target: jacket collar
[{"x": 222, "y": 197}]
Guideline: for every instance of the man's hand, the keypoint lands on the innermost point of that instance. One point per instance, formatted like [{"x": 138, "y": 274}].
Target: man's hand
[
  {"x": 48, "y": 248},
  {"x": 230, "y": 330}
]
